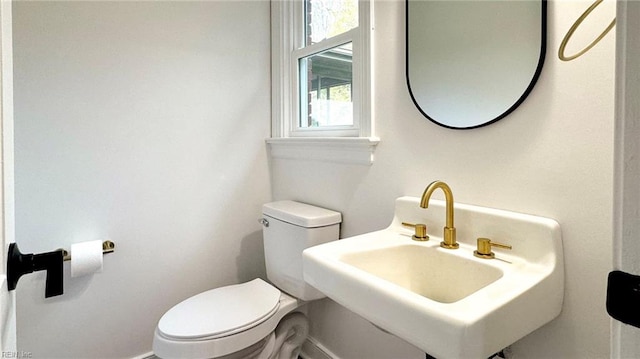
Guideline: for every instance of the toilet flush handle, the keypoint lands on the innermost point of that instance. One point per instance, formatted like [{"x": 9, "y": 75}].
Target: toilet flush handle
[{"x": 263, "y": 222}]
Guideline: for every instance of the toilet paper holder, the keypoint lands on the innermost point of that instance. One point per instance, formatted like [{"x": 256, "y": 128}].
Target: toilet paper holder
[
  {"x": 19, "y": 264},
  {"x": 107, "y": 247}
]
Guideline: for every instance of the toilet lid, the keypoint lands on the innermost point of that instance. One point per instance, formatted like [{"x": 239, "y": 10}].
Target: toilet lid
[{"x": 221, "y": 311}]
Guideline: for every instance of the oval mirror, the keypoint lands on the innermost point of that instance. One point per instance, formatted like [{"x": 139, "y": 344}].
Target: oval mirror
[{"x": 471, "y": 63}]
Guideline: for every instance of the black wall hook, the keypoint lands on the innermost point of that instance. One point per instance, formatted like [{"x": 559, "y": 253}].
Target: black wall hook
[{"x": 19, "y": 264}]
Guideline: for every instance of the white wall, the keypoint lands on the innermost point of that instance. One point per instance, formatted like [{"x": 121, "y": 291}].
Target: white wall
[
  {"x": 551, "y": 157},
  {"x": 143, "y": 122}
]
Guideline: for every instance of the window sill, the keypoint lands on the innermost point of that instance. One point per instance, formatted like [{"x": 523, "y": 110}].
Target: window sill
[{"x": 351, "y": 150}]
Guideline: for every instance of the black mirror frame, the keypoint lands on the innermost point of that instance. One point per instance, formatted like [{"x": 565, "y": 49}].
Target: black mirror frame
[{"x": 536, "y": 75}]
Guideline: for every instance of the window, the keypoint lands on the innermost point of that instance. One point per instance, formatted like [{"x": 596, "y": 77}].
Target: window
[
  {"x": 321, "y": 68},
  {"x": 321, "y": 81},
  {"x": 325, "y": 89},
  {"x": 325, "y": 65}
]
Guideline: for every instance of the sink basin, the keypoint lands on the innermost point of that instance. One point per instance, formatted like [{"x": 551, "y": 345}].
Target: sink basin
[
  {"x": 448, "y": 303},
  {"x": 442, "y": 277}
]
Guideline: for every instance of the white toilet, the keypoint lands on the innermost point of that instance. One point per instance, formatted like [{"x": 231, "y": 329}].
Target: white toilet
[{"x": 254, "y": 319}]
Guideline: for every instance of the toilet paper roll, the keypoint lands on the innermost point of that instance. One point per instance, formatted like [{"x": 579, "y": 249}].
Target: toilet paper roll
[{"x": 86, "y": 258}]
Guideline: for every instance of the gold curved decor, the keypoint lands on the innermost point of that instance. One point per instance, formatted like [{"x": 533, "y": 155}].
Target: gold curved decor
[{"x": 573, "y": 28}]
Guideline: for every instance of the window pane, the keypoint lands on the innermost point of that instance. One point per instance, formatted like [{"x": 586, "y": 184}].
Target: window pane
[
  {"x": 325, "y": 88},
  {"x": 327, "y": 18}
]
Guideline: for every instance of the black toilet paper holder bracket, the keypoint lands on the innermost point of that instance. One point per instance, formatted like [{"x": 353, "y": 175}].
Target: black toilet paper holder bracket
[{"x": 19, "y": 264}]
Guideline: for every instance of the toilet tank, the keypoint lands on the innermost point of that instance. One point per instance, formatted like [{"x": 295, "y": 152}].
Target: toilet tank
[{"x": 289, "y": 228}]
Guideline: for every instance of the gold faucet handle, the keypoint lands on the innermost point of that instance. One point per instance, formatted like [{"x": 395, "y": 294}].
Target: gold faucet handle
[
  {"x": 421, "y": 231},
  {"x": 484, "y": 248}
]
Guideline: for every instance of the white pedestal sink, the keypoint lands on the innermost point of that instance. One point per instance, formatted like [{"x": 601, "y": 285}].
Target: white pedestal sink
[{"x": 449, "y": 303}]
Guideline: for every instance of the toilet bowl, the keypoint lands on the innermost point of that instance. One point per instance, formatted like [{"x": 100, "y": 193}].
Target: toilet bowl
[{"x": 254, "y": 319}]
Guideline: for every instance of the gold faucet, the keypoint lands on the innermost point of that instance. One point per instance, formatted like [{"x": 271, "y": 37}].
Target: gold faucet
[{"x": 449, "y": 241}]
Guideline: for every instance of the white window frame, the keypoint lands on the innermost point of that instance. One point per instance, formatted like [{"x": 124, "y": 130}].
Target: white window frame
[{"x": 287, "y": 24}]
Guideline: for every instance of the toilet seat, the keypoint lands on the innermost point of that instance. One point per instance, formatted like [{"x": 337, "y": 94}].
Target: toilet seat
[
  {"x": 221, "y": 311},
  {"x": 224, "y": 343}
]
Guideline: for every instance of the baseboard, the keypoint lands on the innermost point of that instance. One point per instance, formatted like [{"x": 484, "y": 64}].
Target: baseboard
[
  {"x": 148, "y": 355},
  {"x": 312, "y": 349}
]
